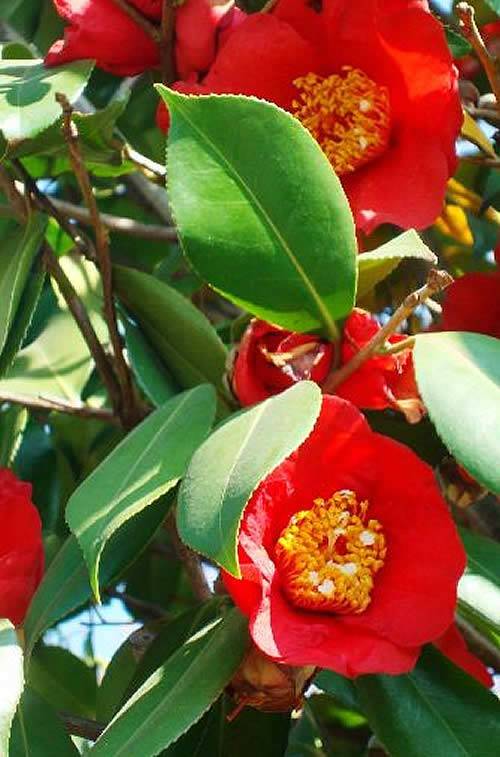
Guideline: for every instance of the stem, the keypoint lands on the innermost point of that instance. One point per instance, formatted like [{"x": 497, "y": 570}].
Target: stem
[
  {"x": 167, "y": 38},
  {"x": 116, "y": 223},
  {"x": 146, "y": 165},
  {"x": 190, "y": 561},
  {"x": 480, "y": 646},
  {"x": 155, "y": 611},
  {"x": 128, "y": 404},
  {"x": 16, "y": 201},
  {"x": 145, "y": 24},
  {"x": 468, "y": 27},
  {"x": 45, "y": 403},
  {"x": 393, "y": 349},
  {"x": 436, "y": 281},
  {"x": 82, "y": 319},
  {"x": 83, "y": 727}
]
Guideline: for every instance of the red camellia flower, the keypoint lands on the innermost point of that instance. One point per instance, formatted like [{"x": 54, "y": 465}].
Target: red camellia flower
[
  {"x": 101, "y": 30},
  {"x": 270, "y": 359},
  {"x": 452, "y": 644},
  {"x": 349, "y": 557},
  {"x": 472, "y": 303},
  {"x": 363, "y": 77},
  {"x": 21, "y": 549},
  {"x": 383, "y": 381}
]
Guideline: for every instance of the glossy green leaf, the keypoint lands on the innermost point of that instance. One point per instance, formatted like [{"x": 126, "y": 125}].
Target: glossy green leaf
[
  {"x": 18, "y": 254},
  {"x": 230, "y": 464},
  {"x": 27, "y": 94},
  {"x": 13, "y": 421},
  {"x": 374, "y": 266},
  {"x": 146, "y": 464},
  {"x": 64, "y": 680},
  {"x": 151, "y": 375},
  {"x": 56, "y": 365},
  {"x": 458, "y": 45},
  {"x": 37, "y": 731},
  {"x": 483, "y": 555},
  {"x": 179, "y": 692},
  {"x": 65, "y": 585},
  {"x": 11, "y": 681},
  {"x": 275, "y": 233},
  {"x": 479, "y": 588},
  {"x": 458, "y": 376},
  {"x": 437, "y": 709},
  {"x": 181, "y": 335}
]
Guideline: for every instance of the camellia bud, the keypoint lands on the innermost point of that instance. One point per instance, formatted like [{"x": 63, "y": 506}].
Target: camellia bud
[{"x": 264, "y": 685}]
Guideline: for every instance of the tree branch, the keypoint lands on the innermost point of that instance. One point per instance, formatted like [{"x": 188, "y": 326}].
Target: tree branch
[
  {"x": 128, "y": 407},
  {"x": 83, "y": 727},
  {"x": 116, "y": 223},
  {"x": 46, "y": 403},
  {"x": 436, "y": 281},
  {"x": 190, "y": 561},
  {"x": 468, "y": 27},
  {"x": 167, "y": 39},
  {"x": 140, "y": 20}
]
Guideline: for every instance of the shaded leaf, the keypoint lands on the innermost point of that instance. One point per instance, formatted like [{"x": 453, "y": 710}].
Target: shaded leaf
[
  {"x": 64, "y": 680},
  {"x": 37, "y": 731},
  {"x": 11, "y": 681},
  {"x": 12, "y": 424}
]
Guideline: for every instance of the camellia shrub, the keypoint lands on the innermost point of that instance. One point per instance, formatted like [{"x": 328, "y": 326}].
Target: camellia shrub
[{"x": 249, "y": 378}]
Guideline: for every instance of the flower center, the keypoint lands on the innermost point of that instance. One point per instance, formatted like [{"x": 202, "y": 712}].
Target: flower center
[
  {"x": 347, "y": 113},
  {"x": 327, "y": 556}
]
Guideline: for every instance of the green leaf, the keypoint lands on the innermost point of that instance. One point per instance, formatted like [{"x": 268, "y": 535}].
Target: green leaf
[
  {"x": 279, "y": 224},
  {"x": 374, "y": 266},
  {"x": 177, "y": 694},
  {"x": 228, "y": 467},
  {"x": 37, "y": 731},
  {"x": 180, "y": 334},
  {"x": 11, "y": 681},
  {"x": 56, "y": 365},
  {"x": 64, "y": 680},
  {"x": 24, "y": 315},
  {"x": 146, "y": 464},
  {"x": 343, "y": 689},
  {"x": 458, "y": 45},
  {"x": 65, "y": 585},
  {"x": 437, "y": 709},
  {"x": 152, "y": 377},
  {"x": 479, "y": 588},
  {"x": 12, "y": 424},
  {"x": 458, "y": 376},
  {"x": 27, "y": 94},
  {"x": 18, "y": 254}
]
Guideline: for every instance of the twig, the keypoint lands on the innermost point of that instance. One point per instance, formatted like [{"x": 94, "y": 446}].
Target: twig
[
  {"x": 144, "y": 163},
  {"x": 48, "y": 205},
  {"x": 155, "y": 611},
  {"x": 468, "y": 27},
  {"x": 483, "y": 161},
  {"x": 145, "y": 24},
  {"x": 167, "y": 38},
  {"x": 128, "y": 406},
  {"x": 482, "y": 648},
  {"x": 190, "y": 561},
  {"x": 83, "y": 322},
  {"x": 116, "y": 223},
  {"x": 45, "y": 403},
  {"x": 489, "y": 114},
  {"x": 83, "y": 727},
  {"x": 436, "y": 281},
  {"x": 16, "y": 201}
]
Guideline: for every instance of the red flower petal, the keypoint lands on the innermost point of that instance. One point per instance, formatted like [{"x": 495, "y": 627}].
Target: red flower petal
[
  {"x": 415, "y": 591},
  {"x": 21, "y": 549},
  {"x": 452, "y": 644},
  {"x": 196, "y": 24},
  {"x": 472, "y": 303},
  {"x": 99, "y": 29}
]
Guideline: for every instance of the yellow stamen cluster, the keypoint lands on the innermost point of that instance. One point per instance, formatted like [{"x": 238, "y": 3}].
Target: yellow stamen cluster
[
  {"x": 347, "y": 113},
  {"x": 327, "y": 556}
]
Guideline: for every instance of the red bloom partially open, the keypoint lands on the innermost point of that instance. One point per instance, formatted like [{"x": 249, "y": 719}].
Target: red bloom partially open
[
  {"x": 363, "y": 77},
  {"x": 472, "y": 303},
  {"x": 383, "y": 381},
  {"x": 21, "y": 548},
  {"x": 99, "y": 29},
  {"x": 349, "y": 557},
  {"x": 270, "y": 359},
  {"x": 452, "y": 644}
]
